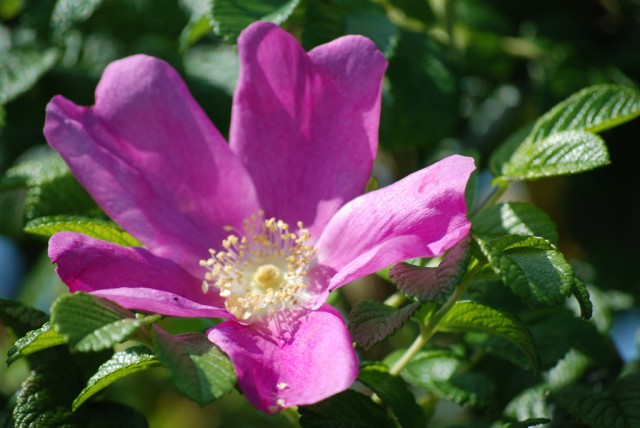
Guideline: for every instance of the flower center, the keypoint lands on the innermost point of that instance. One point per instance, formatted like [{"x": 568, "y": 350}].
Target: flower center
[{"x": 262, "y": 269}]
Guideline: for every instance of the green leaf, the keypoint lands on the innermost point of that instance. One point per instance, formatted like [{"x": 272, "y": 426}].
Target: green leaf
[
  {"x": 471, "y": 316},
  {"x": 230, "y": 17},
  {"x": 617, "y": 406},
  {"x": 593, "y": 109},
  {"x": 96, "y": 228},
  {"x": 513, "y": 218},
  {"x": 21, "y": 69},
  {"x": 562, "y": 140},
  {"x": 393, "y": 391},
  {"x": 501, "y": 348},
  {"x": 42, "y": 400},
  {"x": 66, "y": 13},
  {"x": 581, "y": 294},
  {"x": 532, "y": 267},
  {"x": 531, "y": 422},
  {"x": 432, "y": 284},
  {"x": 439, "y": 372},
  {"x": 19, "y": 318},
  {"x": 348, "y": 409},
  {"x": 121, "y": 364},
  {"x": 196, "y": 367},
  {"x": 563, "y": 153},
  {"x": 51, "y": 188},
  {"x": 371, "y": 321},
  {"x": 108, "y": 415},
  {"x": 34, "y": 341},
  {"x": 92, "y": 323}
]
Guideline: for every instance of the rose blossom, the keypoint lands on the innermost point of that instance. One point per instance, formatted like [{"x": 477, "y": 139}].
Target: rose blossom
[{"x": 259, "y": 230}]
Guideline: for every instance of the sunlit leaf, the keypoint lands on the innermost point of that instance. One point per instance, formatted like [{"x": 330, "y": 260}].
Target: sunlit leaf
[
  {"x": 514, "y": 218},
  {"x": 532, "y": 267},
  {"x": 96, "y": 228},
  {"x": 230, "y": 17},
  {"x": 121, "y": 364},
  {"x": 21, "y": 69},
  {"x": 92, "y": 323},
  {"x": 34, "y": 341}
]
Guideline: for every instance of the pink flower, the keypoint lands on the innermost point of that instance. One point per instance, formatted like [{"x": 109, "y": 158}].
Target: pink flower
[{"x": 271, "y": 222}]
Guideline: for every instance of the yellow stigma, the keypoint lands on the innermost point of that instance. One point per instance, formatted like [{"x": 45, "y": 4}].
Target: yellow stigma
[
  {"x": 262, "y": 269},
  {"x": 267, "y": 276}
]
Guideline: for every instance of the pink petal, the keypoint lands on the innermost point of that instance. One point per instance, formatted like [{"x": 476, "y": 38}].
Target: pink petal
[
  {"x": 306, "y": 125},
  {"x": 152, "y": 160},
  {"x": 317, "y": 362},
  {"x": 131, "y": 277},
  {"x": 421, "y": 215}
]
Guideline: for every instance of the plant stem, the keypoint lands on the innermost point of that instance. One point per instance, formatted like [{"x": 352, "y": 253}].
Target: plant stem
[
  {"x": 428, "y": 330},
  {"x": 395, "y": 300}
]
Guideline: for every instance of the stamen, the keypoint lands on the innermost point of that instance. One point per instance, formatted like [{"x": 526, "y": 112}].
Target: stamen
[{"x": 264, "y": 270}]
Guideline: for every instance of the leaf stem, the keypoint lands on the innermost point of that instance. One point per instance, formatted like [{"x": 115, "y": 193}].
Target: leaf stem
[
  {"x": 395, "y": 300},
  {"x": 428, "y": 330}
]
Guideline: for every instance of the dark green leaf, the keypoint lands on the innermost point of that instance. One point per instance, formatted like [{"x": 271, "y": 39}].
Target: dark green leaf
[
  {"x": 617, "y": 406},
  {"x": 393, "y": 391},
  {"x": 196, "y": 367},
  {"x": 568, "y": 370},
  {"x": 471, "y": 316},
  {"x": 532, "y": 267},
  {"x": 349, "y": 409},
  {"x": 440, "y": 372},
  {"x": 581, "y": 294},
  {"x": 432, "y": 284},
  {"x": 92, "y": 323},
  {"x": 230, "y": 17},
  {"x": 96, "y": 228},
  {"x": 121, "y": 364},
  {"x": 532, "y": 422},
  {"x": 20, "y": 318},
  {"x": 371, "y": 321},
  {"x": 423, "y": 101},
  {"x": 34, "y": 341},
  {"x": 21, "y": 69},
  {"x": 514, "y": 218}
]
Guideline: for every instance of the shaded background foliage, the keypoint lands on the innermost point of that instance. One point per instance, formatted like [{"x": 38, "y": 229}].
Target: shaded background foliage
[{"x": 463, "y": 75}]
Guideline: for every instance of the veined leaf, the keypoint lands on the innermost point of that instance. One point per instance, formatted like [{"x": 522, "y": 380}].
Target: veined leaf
[
  {"x": 346, "y": 409},
  {"x": 617, "y": 406},
  {"x": 121, "y": 364},
  {"x": 92, "y": 323},
  {"x": 581, "y": 294},
  {"x": 471, "y": 316},
  {"x": 532, "y": 267},
  {"x": 514, "y": 218},
  {"x": 592, "y": 109},
  {"x": 432, "y": 284},
  {"x": 393, "y": 391},
  {"x": 21, "y": 69},
  {"x": 562, "y": 140},
  {"x": 196, "y": 367},
  {"x": 230, "y": 17},
  {"x": 96, "y": 228},
  {"x": 568, "y": 152},
  {"x": 371, "y": 321},
  {"x": 34, "y": 341}
]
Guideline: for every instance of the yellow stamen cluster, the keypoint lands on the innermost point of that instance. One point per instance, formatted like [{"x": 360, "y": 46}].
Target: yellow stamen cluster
[{"x": 262, "y": 269}]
